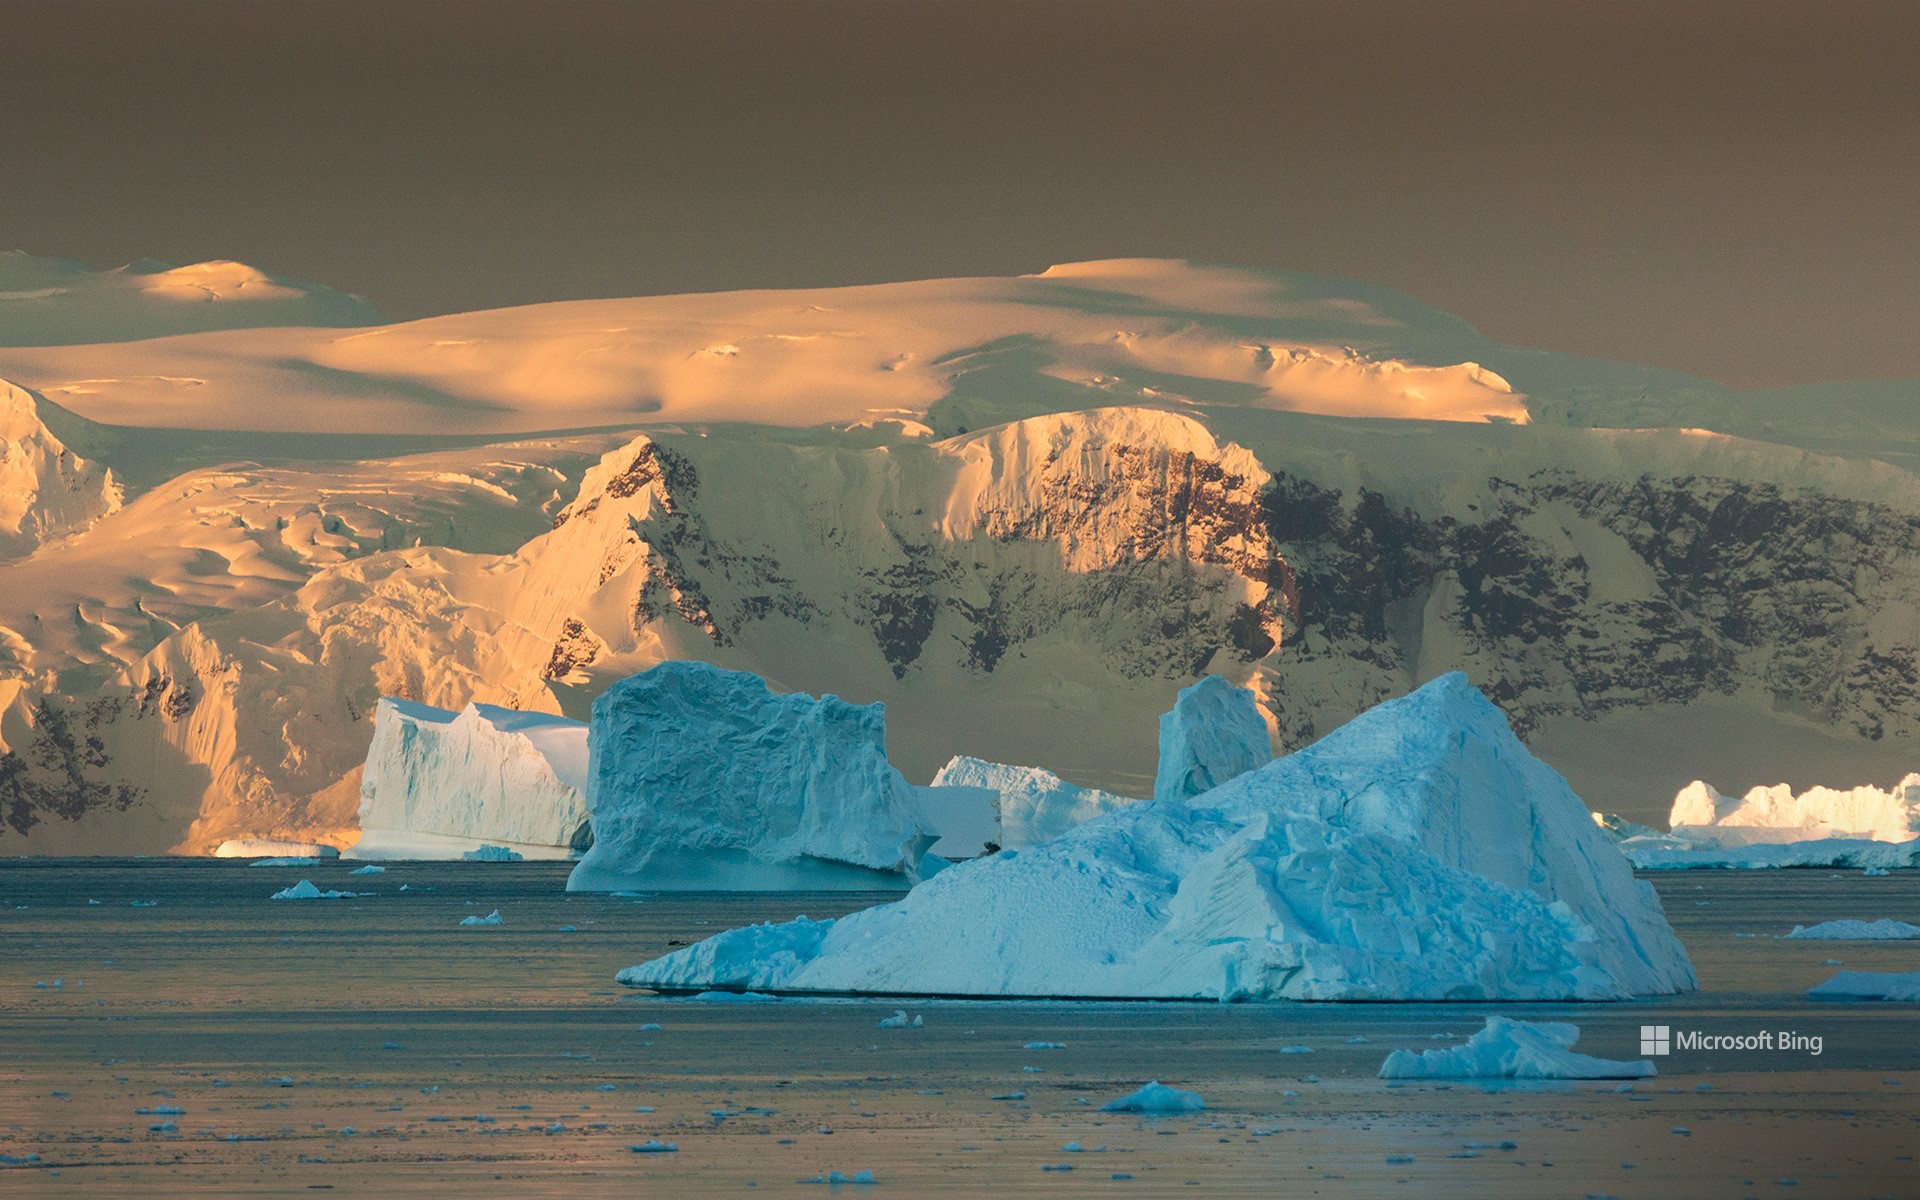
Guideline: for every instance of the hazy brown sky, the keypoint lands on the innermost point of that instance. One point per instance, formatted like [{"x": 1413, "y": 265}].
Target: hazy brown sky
[{"x": 1731, "y": 189}]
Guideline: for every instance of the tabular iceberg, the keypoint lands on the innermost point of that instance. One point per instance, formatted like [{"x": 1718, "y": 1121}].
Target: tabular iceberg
[
  {"x": 703, "y": 778},
  {"x": 1214, "y": 733},
  {"x": 1776, "y": 814},
  {"x": 273, "y": 848},
  {"x": 1417, "y": 853},
  {"x": 439, "y": 784},
  {"x": 1863, "y": 828},
  {"x": 1034, "y": 805}
]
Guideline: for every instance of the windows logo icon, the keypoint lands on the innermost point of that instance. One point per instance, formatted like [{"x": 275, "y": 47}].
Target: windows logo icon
[{"x": 1655, "y": 1040}]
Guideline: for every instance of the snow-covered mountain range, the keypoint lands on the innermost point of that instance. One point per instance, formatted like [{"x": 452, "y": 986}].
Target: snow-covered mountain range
[{"x": 1021, "y": 512}]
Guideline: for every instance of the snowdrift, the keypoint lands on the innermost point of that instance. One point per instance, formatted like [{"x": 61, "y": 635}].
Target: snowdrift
[
  {"x": 441, "y": 784},
  {"x": 1417, "y": 853},
  {"x": 1213, "y": 733},
  {"x": 702, "y": 778}
]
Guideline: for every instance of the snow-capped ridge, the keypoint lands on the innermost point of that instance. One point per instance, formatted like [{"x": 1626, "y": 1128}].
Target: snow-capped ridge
[
  {"x": 55, "y": 302},
  {"x": 46, "y": 490}
]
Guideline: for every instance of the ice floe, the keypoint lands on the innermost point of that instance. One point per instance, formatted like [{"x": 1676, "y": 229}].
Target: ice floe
[
  {"x": 1884, "y": 930},
  {"x": 1156, "y": 1097},
  {"x": 1868, "y": 985},
  {"x": 1509, "y": 1049},
  {"x": 305, "y": 890}
]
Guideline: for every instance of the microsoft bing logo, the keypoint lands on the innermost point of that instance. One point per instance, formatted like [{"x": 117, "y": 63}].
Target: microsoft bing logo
[{"x": 1655, "y": 1040}]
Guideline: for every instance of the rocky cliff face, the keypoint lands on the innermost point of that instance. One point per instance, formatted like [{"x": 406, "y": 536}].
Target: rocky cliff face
[{"x": 1035, "y": 591}]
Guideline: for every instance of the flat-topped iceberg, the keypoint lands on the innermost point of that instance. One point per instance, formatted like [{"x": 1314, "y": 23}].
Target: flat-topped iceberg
[
  {"x": 704, "y": 778},
  {"x": 1418, "y": 853},
  {"x": 1033, "y": 805},
  {"x": 1214, "y": 732},
  {"x": 273, "y": 848},
  {"x": 1509, "y": 1049},
  {"x": 441, "y": 784},
  {"x": 1778, "y": 814}
]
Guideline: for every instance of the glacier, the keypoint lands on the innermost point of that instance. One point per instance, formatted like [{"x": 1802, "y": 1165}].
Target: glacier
[
  {"x": 1417, "y": 853},
  {"x": 701, "y": 778},
  {"x": 441, "y": 784},
  {"x": 1214, "y": 732}
]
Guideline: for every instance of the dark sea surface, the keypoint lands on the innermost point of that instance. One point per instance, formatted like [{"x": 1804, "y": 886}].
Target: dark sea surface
[{"x": 506, "y": 1061}]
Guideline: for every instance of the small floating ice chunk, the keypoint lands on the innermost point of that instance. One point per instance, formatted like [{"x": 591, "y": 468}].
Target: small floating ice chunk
[
  {"x": 1045, "y": 1046},
  {"x": 369, "y": 869},
  {"x": 1296, "y": 1049},
  {"x": 305, "y": 890},
  {"x": 654, "y": 1146},
  {"x": 1156, "y": 1097},
  {"x": 1509, "y": 1049},
  {"x": 900, "y": 1020},
  {"x": 1884, "y": 930},
  {"x": 492, "y": 918},
  {"x": 489, "y": 853},
  {"x": 1868, "y": 985}
]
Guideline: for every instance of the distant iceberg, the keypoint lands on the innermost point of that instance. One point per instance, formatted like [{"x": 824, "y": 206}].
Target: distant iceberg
[
  {"x": 1032, "y": 805},
  {"x": 1778, "y": 814},
  {"x": 1214, "y": 732},
  {"x": 703, "y": 778},
  {"x": 272, "y": 848},
  {"x": 1862, "y": 828},
  {"x": 441, "y": 784},
  {"x": 1418, "y": 853}
]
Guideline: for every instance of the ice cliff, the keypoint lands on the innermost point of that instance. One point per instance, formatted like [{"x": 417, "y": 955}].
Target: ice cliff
[
  {"x": 1417, "y": 853},
  {"x": 439, "y": 783},
  {"x": 702, "y": 777}
]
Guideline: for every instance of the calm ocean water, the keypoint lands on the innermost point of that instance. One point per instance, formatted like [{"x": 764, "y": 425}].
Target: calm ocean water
[{"x": 505, "y": 1060}]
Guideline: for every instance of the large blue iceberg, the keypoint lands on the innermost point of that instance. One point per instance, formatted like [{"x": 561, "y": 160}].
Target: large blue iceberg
[
  {"x": 704, "y": 778},
  {"x": 1417, "y": 853}
]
